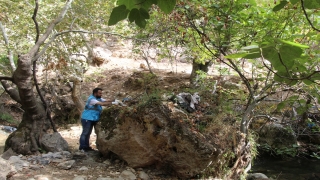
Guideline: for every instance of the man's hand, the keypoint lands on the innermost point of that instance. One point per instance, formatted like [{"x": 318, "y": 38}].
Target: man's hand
[{"x": 118, "y": 102}]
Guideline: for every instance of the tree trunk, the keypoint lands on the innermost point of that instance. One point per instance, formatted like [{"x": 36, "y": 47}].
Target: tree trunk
[
  {"x": 26, "y": 140},
  {"x": 196, "y": 67},
  {"x": 76, "y": 97},
  {"x": 34, "y": 124}
]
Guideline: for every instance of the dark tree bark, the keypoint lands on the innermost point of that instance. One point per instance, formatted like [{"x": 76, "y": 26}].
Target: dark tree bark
[{"x": 34, "y": 124}]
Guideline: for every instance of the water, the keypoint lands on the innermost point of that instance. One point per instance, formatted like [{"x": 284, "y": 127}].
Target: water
[{"x": 292, "y": 169}]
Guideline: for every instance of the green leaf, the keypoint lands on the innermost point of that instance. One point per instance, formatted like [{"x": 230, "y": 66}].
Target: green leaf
[
  {"x": 236, "y": 55},
  {"x": 253, "y": 55},
  {"x": 289, "y": 54},
  {"x": 130, "y": 4},
  {"x": 302, "y": 101},
  {"x": 251, "y": 47},
  {"x": 133, "y": 14},
  {"x": 312, "y": 4},
  {"x": 307, "y": 82},
  {"x": 144, "y": 13},
  {"x": 293, "y": 98},
  {"x": 166, "y": 5},
  {"x": 290, "y": 82},
  {"x": 293, "y": 43},
  {"x": 139, "y": 16},
  {"x": 118, "y": 14},
  {"x": 315, "y": 77},
  {"x": 147, "y": 4},
  {"x": 281, "y": 105},
  {"x": 294, "y": 1},
  {"x": 300, "y": 110},
  {"x": 141, "y": 23},
  {"x": 271, "y": 54},
  {"x": 280, "y": 6}
]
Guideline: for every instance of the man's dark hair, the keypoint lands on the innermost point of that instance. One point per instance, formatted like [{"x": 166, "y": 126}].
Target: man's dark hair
[{"x": 95, "y": 90}]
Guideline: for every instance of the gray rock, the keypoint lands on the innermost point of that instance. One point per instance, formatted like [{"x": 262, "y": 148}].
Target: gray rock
[
  {"x": 83, "y": 168},
  {"x": 54, "y": 142},
  {"x": 66, "y": 153},
  {"x": 158, "y": 140},
  {"x": 142, "y": 175},
  {"x": 128, "y": 175},
  {"x": 6, "y": 155},
  {"x": 107, "y": 162},
  {"x": 103, "y": 178},
  {"x": 79, "y": 155},
  {"x": 34, "y": 167},
  {"x": 44, "y": 161},
  {"x": 57, "y": 155},
  {"x": 48, "y": 155},
  {"x": 277, "y": 136},
  {"x": 66, "y": 165},
  {"x": 57, "y": 160},
  {"x": 80, "y": 178},
  {"x": 18, "y": 163},
  {"x": 257, "y": 176},
  {"x": 5, "y": 168}
]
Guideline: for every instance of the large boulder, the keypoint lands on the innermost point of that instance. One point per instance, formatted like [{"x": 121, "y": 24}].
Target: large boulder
[
  {"x": 277, "y": 136},
  {"x": 54, "y": 142},
  {"x": 155, "y": 135}
]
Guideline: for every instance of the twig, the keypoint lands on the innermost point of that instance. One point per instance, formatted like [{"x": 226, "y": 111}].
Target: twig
[
  {"x": 34, "y": 17},
  {"x": 305, "y": 13}
]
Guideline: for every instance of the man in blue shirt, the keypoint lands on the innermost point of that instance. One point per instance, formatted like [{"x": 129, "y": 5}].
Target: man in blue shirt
[{"x": 90, "y": 116}]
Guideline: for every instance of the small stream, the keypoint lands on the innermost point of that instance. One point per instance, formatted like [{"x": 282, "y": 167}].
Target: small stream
[{"x": 292, "y": 169}]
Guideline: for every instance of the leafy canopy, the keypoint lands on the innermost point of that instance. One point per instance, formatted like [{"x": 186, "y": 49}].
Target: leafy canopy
[{"x": 137, "y": 10}]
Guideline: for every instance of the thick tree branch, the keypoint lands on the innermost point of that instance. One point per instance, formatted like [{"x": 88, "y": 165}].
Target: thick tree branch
[
  {"x": 6, "y": 78},
  {"x": 10, "y": 53},
  {"x": 33, "y": 51},
  {"x": 305, "y": 13},
  {"x": 13, "y": 93}
]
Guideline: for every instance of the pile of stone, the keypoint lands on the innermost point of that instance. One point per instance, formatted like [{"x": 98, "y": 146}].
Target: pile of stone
[{"x": 15, "y": 167}]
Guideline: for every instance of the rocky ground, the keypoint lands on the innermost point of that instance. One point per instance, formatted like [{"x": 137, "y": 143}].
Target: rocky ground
[{"x": 74, "y": 164}]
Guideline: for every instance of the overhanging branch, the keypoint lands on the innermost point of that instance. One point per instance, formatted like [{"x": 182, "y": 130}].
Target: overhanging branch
[
  {"x": 78, "y": 31},
  {"x": 305, "y": 13},
  {"x": 33, "y": 51},
  {"x": 34, "y": 17}
]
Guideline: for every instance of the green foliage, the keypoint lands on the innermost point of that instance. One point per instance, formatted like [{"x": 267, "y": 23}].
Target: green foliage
[
  {"x": 119, "y": 13},
  {"x": 282, "y": 4},
  {"x": 283, "y": 152},
  {"x": 138, "y": 10},
  {"x": 150, "y": 100},
  {"x": 8, "y": 118},
  {"x": 288, "y": 59},
  {"x": 315, "y": 155}
]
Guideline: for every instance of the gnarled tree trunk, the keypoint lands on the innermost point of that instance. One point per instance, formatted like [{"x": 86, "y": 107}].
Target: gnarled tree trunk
[{"x": 27, "y": 138}]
